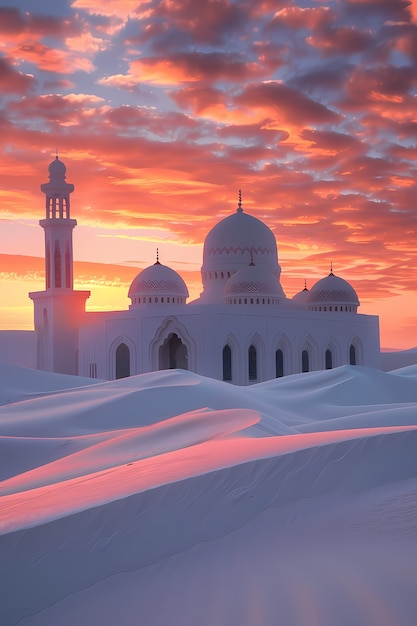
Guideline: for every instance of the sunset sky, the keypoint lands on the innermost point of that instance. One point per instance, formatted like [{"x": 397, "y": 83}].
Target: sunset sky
[{"x": 163, "y": 110}]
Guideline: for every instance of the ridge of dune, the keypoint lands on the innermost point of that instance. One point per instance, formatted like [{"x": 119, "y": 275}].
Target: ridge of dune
[
  {"x": 138, "y": 529},
  {"x": 295, "y": 497}
]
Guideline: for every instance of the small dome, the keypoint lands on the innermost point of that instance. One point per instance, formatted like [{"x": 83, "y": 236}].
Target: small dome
[
  {"x": 302, "y": 296},
  {"x": 158, "y": 281},
  {"x": 253, "y": 280},
  {"x": 333, "y": 290},
  {"x": 57, "y": 169}
]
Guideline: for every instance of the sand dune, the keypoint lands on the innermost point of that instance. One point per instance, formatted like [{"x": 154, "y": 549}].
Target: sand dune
[{"x": 169, "y": 498}]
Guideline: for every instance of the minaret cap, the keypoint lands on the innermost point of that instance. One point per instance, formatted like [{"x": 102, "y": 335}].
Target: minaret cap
[{"x": 57, "y": 169}]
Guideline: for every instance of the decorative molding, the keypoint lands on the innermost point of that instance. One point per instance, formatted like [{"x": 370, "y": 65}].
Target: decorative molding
[
  {"x": 239, "y": 249},
  {"x": 159, "y": 285},
  {"x": 333, "y": 296}
]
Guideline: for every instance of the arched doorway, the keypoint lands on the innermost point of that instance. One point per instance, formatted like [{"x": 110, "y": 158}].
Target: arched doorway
[
  {"x": 122, "y": 361},
  {"x": 173, "y": 354}
]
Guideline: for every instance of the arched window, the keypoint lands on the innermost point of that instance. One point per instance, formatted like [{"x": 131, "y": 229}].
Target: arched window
[
  {"x": 67, "y": 267},
  {"x": 305, "y": 361},
  {"x": 252, "y": 364},
  {"x": 122, "y": 361},
  {"x": 329, "y": 359},
  {"x": 57, "y": 264},
  {"x": 352, "y": 355},
  {"x": 227, "y": 363},
  {"x": 48, "y": 265},
  {"x": 279, "y": 363}
]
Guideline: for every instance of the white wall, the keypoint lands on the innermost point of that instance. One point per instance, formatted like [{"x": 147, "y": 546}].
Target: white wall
[{"x": 205, "y": 329}]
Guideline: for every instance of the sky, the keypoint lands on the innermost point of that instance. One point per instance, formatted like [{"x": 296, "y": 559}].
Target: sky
[{"x": 163, "y": 110}]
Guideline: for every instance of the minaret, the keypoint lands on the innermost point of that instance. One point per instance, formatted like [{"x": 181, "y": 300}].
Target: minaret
[
  {"x": 58, "y": 227},
  {"x": 59, "y": 309}
]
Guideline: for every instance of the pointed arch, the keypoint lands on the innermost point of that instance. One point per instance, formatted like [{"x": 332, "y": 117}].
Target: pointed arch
[
  {"x": 173, "y": 353},
  {"x": 308, "y": 354},
  {"x": 279, "y": 363},
  {"x": 283, "y": 356},
  {"x": 252, "y": 363},
  {"x": 57, "y": 264},
  {"x": 230, "y": 362},
  {"x": 305, "y": 360},
  {"x": 48, "y": 264},
  {"x": 122, "y": 364},
  {"x": 332, "y": 354},
  {"x": 255, "y": 358},
  {"x": 227, "y": 363},
  {"x": 121, "y": 358},
  {"x": 67, "y": 266},
  {"x": 355, "y": 351},
  {"x": 328, "y": 359},
  {"x": 168, "y": 328}
]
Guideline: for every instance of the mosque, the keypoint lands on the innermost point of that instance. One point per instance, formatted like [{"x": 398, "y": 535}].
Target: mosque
[{"x": 242, "y": 329}]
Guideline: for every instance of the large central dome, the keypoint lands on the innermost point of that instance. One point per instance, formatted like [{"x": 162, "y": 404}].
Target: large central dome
[{"x": 231, "y": 245}]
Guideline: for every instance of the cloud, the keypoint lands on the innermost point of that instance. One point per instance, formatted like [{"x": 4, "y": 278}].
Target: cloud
[
  {"x": 26, "y": 38},
  {"x": 296, "y": 18},
  {"x": 64, "y": 110},
  {"x": 342, "y": 40},
  {"x": 208, "y": 22},
  {"x": 111, "y": 8},
  {"x": 13, "y": 81},
  {"x": 14, "y": 22},
  {"x": 162, "y": 110},
  {"x": 285, "y": 104},
  {"x": 194, "y": 67}
]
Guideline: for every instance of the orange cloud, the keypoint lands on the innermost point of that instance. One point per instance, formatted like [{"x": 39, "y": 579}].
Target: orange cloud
[{"x": 163, "y": 110}]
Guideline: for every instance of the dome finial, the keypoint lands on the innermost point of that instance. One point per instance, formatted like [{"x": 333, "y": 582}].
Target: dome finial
[
  {"x": 331, "y": 269},
  {"x": 239, "y": 204},
  {"x": 305, "y": 284},
  {"x": 157, "y": 257}
]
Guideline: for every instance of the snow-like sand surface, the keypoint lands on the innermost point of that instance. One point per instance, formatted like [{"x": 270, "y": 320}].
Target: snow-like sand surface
[{"x": 169, "y": 498}]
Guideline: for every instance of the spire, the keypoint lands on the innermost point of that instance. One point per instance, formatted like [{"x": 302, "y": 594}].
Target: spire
[
  {"x": 157, "y": 257},
  {"x": 239, "y": 204},
  {"x": 331, "y": 269},
  {"x": 305, "y": 285}
]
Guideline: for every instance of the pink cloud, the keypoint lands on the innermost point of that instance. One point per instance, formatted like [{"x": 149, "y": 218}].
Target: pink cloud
[
  {"x": 13, "y": 81},
  {"x": 286, "y": 103},
  {"x": 14, "y": 22},
  {"x": 194, "y": 67},
  {"x": 345, "y": 39},
  {"x": 206, "y": 22},
  {"x": 299, "y": 17}
]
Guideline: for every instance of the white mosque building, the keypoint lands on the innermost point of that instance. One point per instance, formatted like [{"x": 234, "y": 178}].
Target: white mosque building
[{"x": 242, "y": 329}]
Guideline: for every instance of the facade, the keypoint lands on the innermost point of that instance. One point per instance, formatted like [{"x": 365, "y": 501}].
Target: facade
[{"x": 242, "y": 328}]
